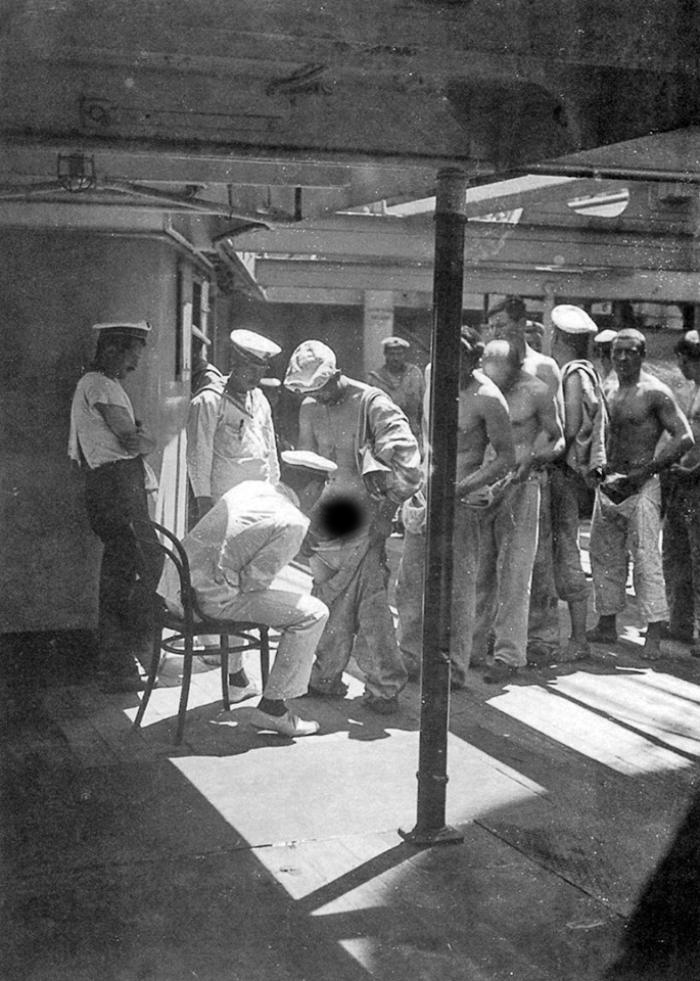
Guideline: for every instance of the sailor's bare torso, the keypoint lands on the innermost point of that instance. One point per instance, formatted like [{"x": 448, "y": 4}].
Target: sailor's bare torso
[
  {"x": 641, "y": 409},
  {"x": 635, "y": 423},
  {"x": 483, "y": 420},
  {"x": 536, "y": 429}
]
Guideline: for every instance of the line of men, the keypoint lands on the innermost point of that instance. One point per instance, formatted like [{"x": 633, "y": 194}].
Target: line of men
[{"x": 529, "y": 435}]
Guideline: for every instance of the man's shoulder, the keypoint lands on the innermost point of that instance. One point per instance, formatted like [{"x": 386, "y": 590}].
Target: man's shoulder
[
  {"x": 96, "y": 386},
  {"x": 527, "y": 382},
  {"x": 653, "y": 388},
  {"x": 541, "y": 361},
  {"x": 482, "y": 389},
  {"x": 209, "y": 394}
]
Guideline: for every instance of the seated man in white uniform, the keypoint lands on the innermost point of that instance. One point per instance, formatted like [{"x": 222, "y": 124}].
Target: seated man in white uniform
[{"x": 235, "y": 552}]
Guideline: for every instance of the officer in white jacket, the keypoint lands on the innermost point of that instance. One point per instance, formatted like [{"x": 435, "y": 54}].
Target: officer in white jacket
[
  {"x": 230, "y": 432},
  {"x": 235, "y": 552}
]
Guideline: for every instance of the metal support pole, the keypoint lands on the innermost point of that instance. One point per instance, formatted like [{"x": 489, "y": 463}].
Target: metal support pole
[{"x": 448, "y": 284}]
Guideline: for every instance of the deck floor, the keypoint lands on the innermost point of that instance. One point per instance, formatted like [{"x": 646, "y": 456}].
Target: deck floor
[{"x": 246, "y": 856}]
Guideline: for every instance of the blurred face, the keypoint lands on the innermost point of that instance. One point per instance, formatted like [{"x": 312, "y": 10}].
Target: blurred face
[
  {"x": 245, "y": 376},
  {"x": 121, "y": 362},
  {"x": 331, "y": 391},
  {"x": 501, "y": 369},
  {"x": 627, "y": 358},
  {"x": 505, "y": 329},
  {"x": 395, "y": 358},
  {"x": 534, "y": 339}
]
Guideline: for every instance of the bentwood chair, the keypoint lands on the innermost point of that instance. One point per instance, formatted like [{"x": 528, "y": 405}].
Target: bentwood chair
[{"x": 234, "y": 635}]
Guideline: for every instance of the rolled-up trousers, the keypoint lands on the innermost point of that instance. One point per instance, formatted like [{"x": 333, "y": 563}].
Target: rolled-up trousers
[
  {"x": 361, "y": 624},
  {"x": 620, "y": 532}
]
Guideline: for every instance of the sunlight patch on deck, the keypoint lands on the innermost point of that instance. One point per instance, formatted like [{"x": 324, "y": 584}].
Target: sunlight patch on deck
[{"x": 587, "y": 731}]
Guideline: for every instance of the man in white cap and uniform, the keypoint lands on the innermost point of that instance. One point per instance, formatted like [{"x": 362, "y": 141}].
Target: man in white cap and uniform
[
  {"x": 108, "y": 442},
  {"x": 379, "y": 467},
  {"x": 402, "y": 381},
  {"x": 585, "y": 431},
  {"x": 235, "y": 552},
  {"x": 230, "y": 432}
]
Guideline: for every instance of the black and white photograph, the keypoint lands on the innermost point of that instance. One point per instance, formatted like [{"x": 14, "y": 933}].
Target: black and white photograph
[{"x": 350, "y": 490}]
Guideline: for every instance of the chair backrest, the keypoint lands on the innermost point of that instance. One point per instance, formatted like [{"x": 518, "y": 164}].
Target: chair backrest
[{"x": 171, "y": 548}]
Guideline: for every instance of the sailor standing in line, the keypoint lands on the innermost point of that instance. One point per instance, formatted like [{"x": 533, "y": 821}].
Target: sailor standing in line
[{"x": 110, "y": 444}]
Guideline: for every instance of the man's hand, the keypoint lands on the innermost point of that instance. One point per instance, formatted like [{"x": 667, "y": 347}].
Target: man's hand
[
  {"x": 131, "y": 442},
  {"x": 204, "y": 504},
  {"x": 375, "y": 484}
]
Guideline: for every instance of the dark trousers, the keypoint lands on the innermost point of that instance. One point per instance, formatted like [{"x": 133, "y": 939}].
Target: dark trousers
[
  {"x": 681, "y": 555},
  {"x": 115, "y": 496}
]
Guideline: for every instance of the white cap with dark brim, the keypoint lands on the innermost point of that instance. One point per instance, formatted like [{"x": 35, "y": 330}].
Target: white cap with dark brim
[
  {"x": 572, "y": 320},
  {"x": 606, "y": 336},
  {"x": 308, "y": 460},
  {"x": 139, "y": 328},
  {"x": 311, "y": 366},
  {"x": 395, "y": 343},
  {"x": 253, "y": 347}
]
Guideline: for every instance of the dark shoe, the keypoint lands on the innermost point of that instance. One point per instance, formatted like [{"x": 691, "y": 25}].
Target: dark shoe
[
  {"x": 382, "y": 706},
  {"x": 601, "y": 635},
  {"x": 499, "y": 673},
  {"x": 541, "y": 654},
  {"x": 284, "y": 725},
  {"x": 333, "y": 688}
]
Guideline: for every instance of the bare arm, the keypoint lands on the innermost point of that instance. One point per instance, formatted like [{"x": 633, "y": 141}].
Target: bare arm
[
  {"x": 550, "y": 427},
  {"x": 307, "y": 439},
  {"x": 678, "y": 428},
  {"x": 573, "y": 414},
  {"x": 131, "y": 435},
  {"x": 500, "y": 436}
]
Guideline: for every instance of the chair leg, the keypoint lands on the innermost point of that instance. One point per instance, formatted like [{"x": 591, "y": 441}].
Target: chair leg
[
  {"x": 264, "y": 655},
  {"x": 223, "y": 644},
  {"x": 152, "y": 674},
  {"x": 185, "y": 691}
]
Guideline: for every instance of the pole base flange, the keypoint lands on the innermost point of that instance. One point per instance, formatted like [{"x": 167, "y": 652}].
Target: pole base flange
[{"x": 446, "y": 835}]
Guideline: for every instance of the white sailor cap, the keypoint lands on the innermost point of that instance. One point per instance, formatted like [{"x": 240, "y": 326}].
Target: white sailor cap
[
  {"x": 253, "y": 347},
  {"x": 572, "y": 320},
  {"x": 139, "y": 328},
  {"x": 606, "y": 336},
  {"x": 395, "y": 343},
  {"x": 269, "y": 383},
  {"x": 308, "y": 460},
  {"x": 311, "y": 366}
]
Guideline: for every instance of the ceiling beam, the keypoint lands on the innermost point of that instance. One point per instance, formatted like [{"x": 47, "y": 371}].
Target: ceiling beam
[
  {"x": 611, "y": 284},
  {"x": 38, "y": 161}
]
